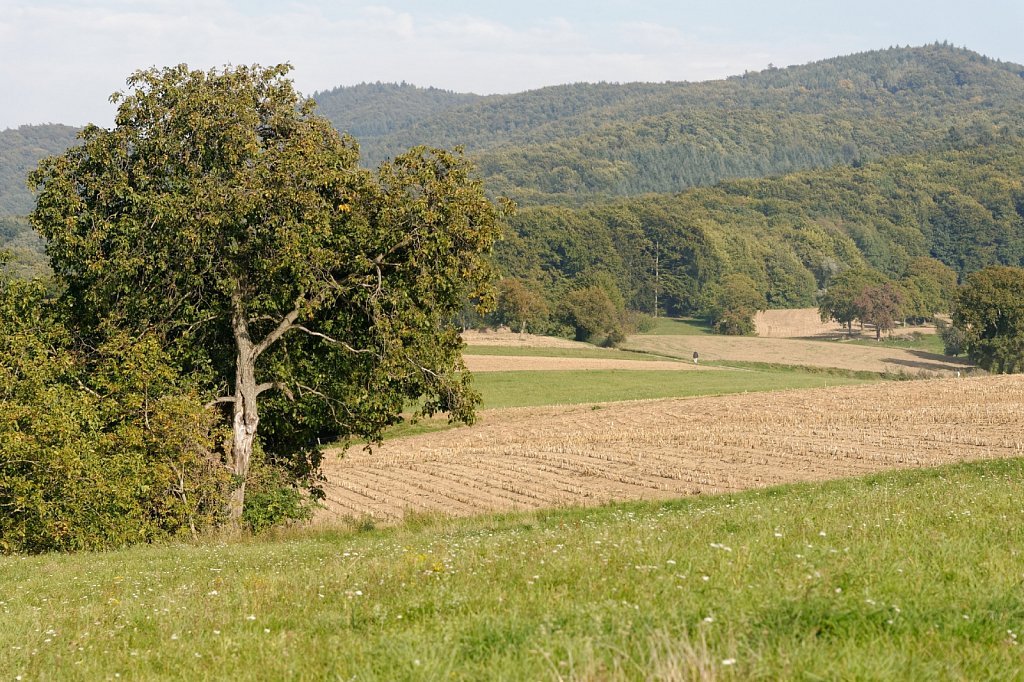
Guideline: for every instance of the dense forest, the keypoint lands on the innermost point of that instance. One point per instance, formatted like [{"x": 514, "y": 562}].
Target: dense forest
[
  {"x": 786, "y": 176},
  {"x": 790, "y": 235},
  {"x": 568, "y": 143}
]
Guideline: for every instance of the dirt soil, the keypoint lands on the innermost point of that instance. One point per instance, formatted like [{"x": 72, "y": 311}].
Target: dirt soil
[{"x": 545, "y": 457}]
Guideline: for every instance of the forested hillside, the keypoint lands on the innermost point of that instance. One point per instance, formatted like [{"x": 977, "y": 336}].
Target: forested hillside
[
  {"x": 568, "y": 143},
  {"x": 372, "y": 110},
  {"x": 897, "y": 154},
  {"x": 20, "y": 151},
  {"x": 789, "y": 234}
]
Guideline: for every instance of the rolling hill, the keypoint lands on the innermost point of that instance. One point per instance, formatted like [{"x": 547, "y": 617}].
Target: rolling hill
[
  {"x": 569, "y": 143},
  {"x": 20, "y": 151}
]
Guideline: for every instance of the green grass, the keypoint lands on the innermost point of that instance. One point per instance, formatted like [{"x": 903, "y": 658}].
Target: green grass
[
  {"x": 592, "y": 353},
  {"x": 908, "y": 576},
  {"x": 678, "y": 326},
  {"x": 929, "y": 343},
  {"x": 522, "y": 389}
]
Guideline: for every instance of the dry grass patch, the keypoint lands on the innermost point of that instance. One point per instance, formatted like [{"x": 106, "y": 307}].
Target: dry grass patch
[
  {"x": 504, "y": 337},
  {"x": 806, "y": 323},
  {"x": 800, "y": 352}
]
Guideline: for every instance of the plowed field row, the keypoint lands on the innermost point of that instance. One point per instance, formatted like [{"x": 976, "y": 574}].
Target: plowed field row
[{"x": 544, "y": 457}]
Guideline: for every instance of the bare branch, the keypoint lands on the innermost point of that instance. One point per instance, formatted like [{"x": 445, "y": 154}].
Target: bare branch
[
  {"x": 331, "y": 402},
  {"x": 280, "y": 386},
  {"x": 282, "y": 328},
  {"x": 332, "y": 340},
  {"x": 87, "y": 389},
  {"x": 222, "y": 399}
]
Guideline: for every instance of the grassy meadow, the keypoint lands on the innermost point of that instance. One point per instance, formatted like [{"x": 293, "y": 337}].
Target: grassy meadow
[
  {"x": 912, "y": 575},
  {"x": 536, "y": 388},
  {"x": 929, "y": 343},
  {"x": 678, "y": 326}
]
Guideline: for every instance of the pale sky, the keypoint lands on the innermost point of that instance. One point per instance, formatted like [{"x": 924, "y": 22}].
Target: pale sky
[{"x": 60, "y": 59}]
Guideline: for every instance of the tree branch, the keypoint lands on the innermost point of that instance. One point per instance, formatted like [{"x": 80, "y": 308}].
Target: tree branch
[
  {"x": 331, "y": 402},
  {"x": 332, "y": 340},
  {"x": 283, "y": 326},
  {"x": 283, "y": 387},
  {"x": 288, "y": 322},
  {"x": 222, "y": 399}
]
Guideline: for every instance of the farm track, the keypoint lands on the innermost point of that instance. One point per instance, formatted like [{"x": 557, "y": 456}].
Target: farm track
[{"x": 544, "y": 457}]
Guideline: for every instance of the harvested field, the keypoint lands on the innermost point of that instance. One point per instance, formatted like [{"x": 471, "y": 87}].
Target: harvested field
[
  {"x": 499, "y": 363},
  {"x": 490, "y": 337},
  {"x": 545, "y": 457},
  {"x": 799, "y": 352},
  {"x": 806, "y": 323}
]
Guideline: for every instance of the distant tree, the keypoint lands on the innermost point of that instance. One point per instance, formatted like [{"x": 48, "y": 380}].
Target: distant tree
[
  {"x": 518, "y": 305},
  {"x": 990, "y": 313},
  {"x": 591, "y": 313},
  {"x": 736, "y": 302},
  {"x": 879, "y": 305},
  {"x": 953, "y": 338},
  {"x": 839, "y": 302},
  {"x": 930, "y": 288},
  {"x": 310, "y": 296}
]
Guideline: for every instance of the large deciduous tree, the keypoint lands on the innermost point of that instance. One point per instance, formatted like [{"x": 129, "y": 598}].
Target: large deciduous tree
[
  {"x": 990, "y": 313},
  {"x": 839, "y": 302},
  {"x": 879, "y": 305},
  {"x": 225, "y": 217}
]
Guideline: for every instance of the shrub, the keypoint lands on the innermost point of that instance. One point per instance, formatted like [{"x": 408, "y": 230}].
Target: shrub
[{"x": 99, "y": 447}]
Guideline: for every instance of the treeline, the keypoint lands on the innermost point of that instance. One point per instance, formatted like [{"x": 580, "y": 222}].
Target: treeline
[
  {"x": 571, "y": 143},
  {"x": 788, "y": 236}
]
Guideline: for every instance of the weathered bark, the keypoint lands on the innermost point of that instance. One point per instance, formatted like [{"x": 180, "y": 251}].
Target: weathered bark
[{"x": 246, "y": 415}]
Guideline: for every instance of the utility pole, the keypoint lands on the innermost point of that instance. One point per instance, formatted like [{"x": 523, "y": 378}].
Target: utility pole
[{"x": 657, "y": 281}]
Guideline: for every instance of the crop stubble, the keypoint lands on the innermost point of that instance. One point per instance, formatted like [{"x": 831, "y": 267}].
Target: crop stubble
[{"x": 546, "y": 457}]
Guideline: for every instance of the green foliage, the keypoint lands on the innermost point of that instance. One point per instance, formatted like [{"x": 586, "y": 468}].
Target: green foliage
[
  {"x": 735, "y": 302},
  {"x": 990, "y": 314},
  {"x": 99, "y": 447},
  {"x": 954, "y": 340},
  {"x": 591, "y": 313},
  {"x": 929, "y": 287},
  {"x": 520, "y": 306},
  {"x": 573, "y": 143},
  {"x": 272, "y": 498},
  {"x": 315, "y": 298}
]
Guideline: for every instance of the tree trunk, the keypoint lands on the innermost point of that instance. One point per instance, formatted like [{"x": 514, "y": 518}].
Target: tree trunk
[{"x": 246, "y": 416}]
